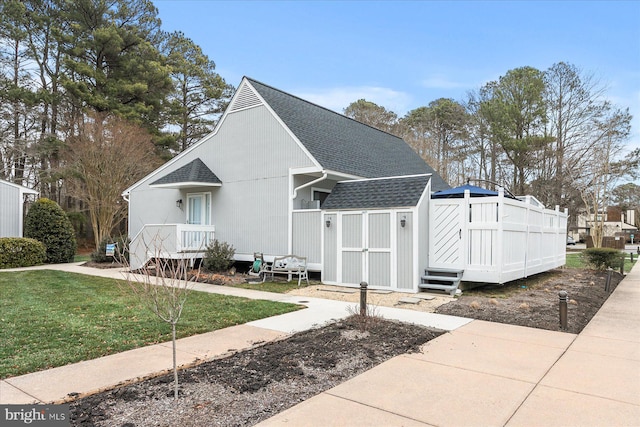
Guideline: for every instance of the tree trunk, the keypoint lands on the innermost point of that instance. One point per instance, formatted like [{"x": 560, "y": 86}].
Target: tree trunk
[{"x": 175, "y": 365}]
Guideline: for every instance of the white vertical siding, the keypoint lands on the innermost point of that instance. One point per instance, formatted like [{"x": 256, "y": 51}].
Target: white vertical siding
[
  {"x": 330, "y": 258},
  {"x": 404, "y": 254},
  {"x": 307, "y": 231},
  {"x": 10, "y": 211},
  {"x": 251, "y": 153}
]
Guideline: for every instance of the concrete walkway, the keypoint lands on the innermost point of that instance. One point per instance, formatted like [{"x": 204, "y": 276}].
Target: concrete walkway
[
  {"x": 490, "y": 374},
  {"x": 481, "y": 373}
]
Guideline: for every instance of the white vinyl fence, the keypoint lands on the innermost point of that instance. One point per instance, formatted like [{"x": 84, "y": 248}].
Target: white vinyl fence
[{"x": 496, "y": 239}]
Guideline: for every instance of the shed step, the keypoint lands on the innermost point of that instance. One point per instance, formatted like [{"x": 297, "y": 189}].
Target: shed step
[
  {"x": 438, "y": 287},
  {"x": 441, "y": 278}
]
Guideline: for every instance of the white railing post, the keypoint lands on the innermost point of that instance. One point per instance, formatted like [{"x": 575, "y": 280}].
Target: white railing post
[{"x": 500, "y": 239}]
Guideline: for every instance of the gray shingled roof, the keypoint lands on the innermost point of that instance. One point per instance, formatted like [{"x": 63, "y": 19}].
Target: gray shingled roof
[
  {"x": 194, "y": 171},
  {"x": 377, "y": 193},
  {"x": 345, "y": 145}
]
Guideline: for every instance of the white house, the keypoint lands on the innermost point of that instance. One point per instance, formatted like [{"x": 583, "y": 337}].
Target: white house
[
  {"x": 12, "y": 202},
  {"x": 280, "y": 175}
]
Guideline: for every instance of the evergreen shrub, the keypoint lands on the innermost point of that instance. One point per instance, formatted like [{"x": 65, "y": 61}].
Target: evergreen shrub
[
  {"x": 47, "y": 223},
  {"x": 603, "y": 258},
  {"x": 218, "y": 256},
  {"x": 18, "y": 252}
]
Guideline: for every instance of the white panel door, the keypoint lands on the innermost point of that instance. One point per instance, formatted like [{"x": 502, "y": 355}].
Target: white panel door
[
  {"x": 352, "y": 248},
  {"x": 364, "y": 248}
]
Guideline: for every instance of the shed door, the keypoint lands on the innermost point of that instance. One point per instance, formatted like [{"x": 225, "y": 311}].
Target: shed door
[
  {"x": 353, "y": 248},
  {"x": 365, "y": 248},
  {"x": 446, "y": 234}
]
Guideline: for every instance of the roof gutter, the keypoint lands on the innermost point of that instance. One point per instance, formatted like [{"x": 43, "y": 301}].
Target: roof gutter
[{"x": 295, "y": 190}]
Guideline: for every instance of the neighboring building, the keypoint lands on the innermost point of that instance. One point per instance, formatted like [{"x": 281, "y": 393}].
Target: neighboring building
[
  {"x": 280, "y": 175},
  {"x": 12, "y": 208},
  {"x": 615, "y": 223}
]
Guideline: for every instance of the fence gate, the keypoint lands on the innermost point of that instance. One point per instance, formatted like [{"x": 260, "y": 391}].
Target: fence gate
[{"x": 446, "y": 234}]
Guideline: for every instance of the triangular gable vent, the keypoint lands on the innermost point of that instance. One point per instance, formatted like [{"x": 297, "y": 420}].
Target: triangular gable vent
[{"x": 246, "y": 98}]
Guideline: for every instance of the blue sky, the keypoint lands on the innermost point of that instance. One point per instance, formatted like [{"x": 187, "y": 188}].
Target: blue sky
[{"x": 405, "y": 54}]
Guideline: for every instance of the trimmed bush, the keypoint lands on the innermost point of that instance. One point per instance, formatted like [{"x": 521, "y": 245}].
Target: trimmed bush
[
  {"x": 603, "y": 258},
  {"x": 47, "y": 223},
  {"x": 18, "y": 252},
  {"x": 121, "y": 252},
  {"x": 218, "y": 256}
]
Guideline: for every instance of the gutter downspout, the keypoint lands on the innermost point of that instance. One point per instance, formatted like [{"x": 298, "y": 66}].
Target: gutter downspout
[
  {"x": 125, "y": 195},
  {"x": 295, "y": 190},
  {"x": 294, "y": 194}
]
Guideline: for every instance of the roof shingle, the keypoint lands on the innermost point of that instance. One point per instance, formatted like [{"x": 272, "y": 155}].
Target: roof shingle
[
  {"x": 194, "y": 172},
  {"x": 345, "y": 145},
  {"x": 381, "y": 193}
]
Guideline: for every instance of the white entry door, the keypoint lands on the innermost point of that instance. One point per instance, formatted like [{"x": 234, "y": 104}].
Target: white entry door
[
  {"x": 198, "y": 213},
  {"x": 199, "y": 208}
]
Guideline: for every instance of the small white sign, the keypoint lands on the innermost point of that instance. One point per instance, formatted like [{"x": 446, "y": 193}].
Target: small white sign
[{"x": 111, "y": 249}]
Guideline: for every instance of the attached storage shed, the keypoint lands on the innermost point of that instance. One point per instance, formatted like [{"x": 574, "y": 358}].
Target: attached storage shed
[
  {"x": 393, "y": 234},
  {"x": 376, "y": 230}
]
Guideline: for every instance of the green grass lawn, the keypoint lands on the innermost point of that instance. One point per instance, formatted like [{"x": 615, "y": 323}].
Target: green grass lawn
[{"x": 53, "y": 318}]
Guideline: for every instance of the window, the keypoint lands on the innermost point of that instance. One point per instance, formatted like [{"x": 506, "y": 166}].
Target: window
[{"x": 319, "y": 194}]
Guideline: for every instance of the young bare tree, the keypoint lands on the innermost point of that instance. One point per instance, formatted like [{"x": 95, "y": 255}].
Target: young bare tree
[
  {"x": 603, "y": 168},
  {"x": 163, "y": 287},
  {"x": 105, "y": 156}
]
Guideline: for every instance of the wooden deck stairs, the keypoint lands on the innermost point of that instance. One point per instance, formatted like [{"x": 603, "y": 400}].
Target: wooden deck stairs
[{"x": 441, "y": 279}]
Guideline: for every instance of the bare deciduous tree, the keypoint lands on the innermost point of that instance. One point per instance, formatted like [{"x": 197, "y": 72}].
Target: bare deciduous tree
[
  {"x": 596, "y": 180},
  {"x": 163, "y": 287},
  {"x": 105, "y": 156}
]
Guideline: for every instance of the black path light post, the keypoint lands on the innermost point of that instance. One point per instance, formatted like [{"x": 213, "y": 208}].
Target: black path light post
[
  {"x": 363, "y": 298},
  {"x": 607, "y": 285},
  {"x": 563, "y": 297}
]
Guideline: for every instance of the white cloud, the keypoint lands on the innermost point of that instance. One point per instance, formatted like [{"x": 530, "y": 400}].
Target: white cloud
[
  {"x": 339, "y": 98},
  {"x": 442, "y": 82}
]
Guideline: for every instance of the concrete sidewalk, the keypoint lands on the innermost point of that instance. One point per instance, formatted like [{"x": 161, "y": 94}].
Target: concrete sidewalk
[
  {"x": 87, "y": 377},
  {"x": 491, "y": 374}
]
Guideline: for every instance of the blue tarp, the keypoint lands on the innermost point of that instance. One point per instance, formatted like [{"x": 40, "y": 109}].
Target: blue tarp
[{"x": 458, "y": 192}]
